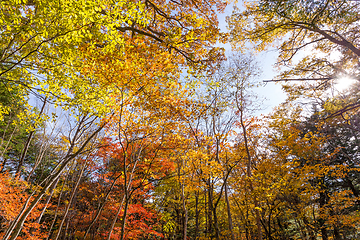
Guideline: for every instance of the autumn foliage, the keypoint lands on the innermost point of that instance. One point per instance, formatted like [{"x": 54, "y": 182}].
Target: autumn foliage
[{"x": 126, "y": 120}]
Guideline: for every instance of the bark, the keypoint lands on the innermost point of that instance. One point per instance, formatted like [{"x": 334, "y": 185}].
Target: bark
[
  {"x": 23, "y": 153},
  {"x": 196, "y": 215},
  {"x": 324, "y": 234},
  {"x": 70, "y": 200},
  {"x": 57, "y": 209},
  {"x": 249, "y": 174},
  {"x": 185, "y": 218},
  {"x": 48, "y": 199},
  {"x": 337, "y": 233},
  {"x": 343, "y": 42},
  {"x": 212, "y": 210},
  {"x": 207, "y": 215},
  {"x": 349, "y": 184},
  {"x": 269, "y": 225},
  {"x": 126, "y": 198},
  {"x": 115, "y": 218},
  {"x": 229, "y": 213},
  {"x": 124, "y": 217},
  {"x": 127, "y": 182}
]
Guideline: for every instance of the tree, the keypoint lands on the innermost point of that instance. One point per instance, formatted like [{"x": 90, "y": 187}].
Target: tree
[
  {"x": 327, "y": 31},
  {"x": 41, "y": 41},
  {"x": 62, "y": 51},
  {"x": 323, "y": 163}
]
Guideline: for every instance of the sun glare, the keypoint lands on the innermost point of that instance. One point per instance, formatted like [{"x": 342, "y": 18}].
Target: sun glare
[{"x": 343, "y": 83}]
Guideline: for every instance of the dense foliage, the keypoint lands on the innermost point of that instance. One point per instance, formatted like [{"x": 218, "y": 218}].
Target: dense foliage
[{"x": 124, "y": 120}]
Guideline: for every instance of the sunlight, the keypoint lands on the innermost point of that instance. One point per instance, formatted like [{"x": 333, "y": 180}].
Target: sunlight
[{"x": 343, "y": 83}]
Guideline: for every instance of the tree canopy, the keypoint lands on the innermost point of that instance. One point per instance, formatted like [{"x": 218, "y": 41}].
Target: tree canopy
[{"x": 125, "y": 120}]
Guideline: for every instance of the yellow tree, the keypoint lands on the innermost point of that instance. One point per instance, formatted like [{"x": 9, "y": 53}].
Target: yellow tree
[
  {"x": 317, "y": 178},
  {"x": 325, "y": 34}
]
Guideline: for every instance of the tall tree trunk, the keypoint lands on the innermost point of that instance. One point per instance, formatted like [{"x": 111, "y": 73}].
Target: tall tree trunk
[
  {"x": 122, "y": 201},
  {"x": 57, "y": 208},
  {"x": 124, "y": 218},
  {"x": 249, "y": 174},
  {"x": 196, "y": 215},
  {"x": 212, "y": 209},
  {"x": 216, "y": 225},
  {"x": 185, "y": 212},
  {"x": 324, "y": 234},
  {"x": 115, "y": 218},
  {"x": 229, "y": 212},
  {"x": 337, "y": 235},
  {"x": 70, "y": 200},
  {"x": 48, "y": 199},
  {"x": 127, "y": 186},
  {"x": 209, "y": 210},
  {"x": 240, "y": 104},
  {"x": 206, "y": 214}
]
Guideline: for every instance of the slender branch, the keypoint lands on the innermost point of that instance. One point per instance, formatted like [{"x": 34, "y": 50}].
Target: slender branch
[{"x": 298, "y": 79}]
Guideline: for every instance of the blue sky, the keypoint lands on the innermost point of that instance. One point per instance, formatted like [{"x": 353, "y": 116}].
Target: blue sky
[{"x": 271, "y": 93}]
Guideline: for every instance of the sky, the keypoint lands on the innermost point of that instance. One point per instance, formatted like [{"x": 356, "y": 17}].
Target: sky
[{"x": 270, "y": 93}]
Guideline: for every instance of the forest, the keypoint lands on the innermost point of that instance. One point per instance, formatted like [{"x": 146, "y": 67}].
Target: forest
[{"x": 127, "y": 119}]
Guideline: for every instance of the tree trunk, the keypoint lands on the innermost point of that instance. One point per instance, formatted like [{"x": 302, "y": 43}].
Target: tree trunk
[
  {"x": 124, "y": 217},
  {"x": 70, "y": 200},
  {"x": 229, "y": 213},
  {"x": 212, "y": 210},
  {"x": 57, "y": 208},
  {"x": 321, "y": 220},
  {"x": 337, "y": 235},
  {"x": 196, "y": 215},
  {"x": 249, "y": 174},
  {"x": 185, "y": 216},
  {"x": 115, "y": 218},
  {"x": 48, "y": 199}
]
